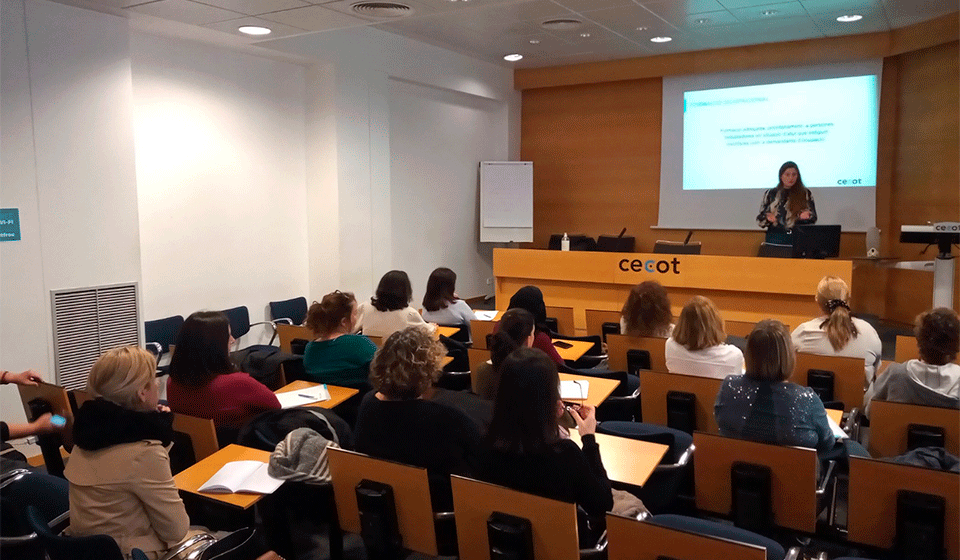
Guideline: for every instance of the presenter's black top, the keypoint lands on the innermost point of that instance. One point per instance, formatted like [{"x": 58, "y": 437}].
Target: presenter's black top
[{"x": 776, "y": 201}]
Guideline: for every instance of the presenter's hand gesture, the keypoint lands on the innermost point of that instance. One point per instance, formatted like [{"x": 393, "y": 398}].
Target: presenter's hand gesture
[
  {"x": 805, "y": 215},
  {"x": 772, "y": 218},
  {"x": 586, "y": 419}
]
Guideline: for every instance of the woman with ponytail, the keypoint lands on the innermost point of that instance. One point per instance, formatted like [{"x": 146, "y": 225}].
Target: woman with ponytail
[
  {"x": 336, "y": 356},
  {"x": 836, "y": 332},
  {"x": 515, "y": 330}
]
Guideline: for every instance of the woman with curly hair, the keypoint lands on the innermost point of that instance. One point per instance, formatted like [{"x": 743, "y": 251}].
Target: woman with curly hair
[
  {"x": 397, "y": 423},
  {"x": 647, "y": 311}
]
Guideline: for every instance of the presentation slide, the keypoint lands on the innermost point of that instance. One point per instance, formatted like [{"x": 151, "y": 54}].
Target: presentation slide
[
  {"x": 725, "y": 136},
  {"x": 829, "y": 127}
]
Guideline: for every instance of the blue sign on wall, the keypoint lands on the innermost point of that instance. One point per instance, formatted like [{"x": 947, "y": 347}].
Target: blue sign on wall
[{"x": 9, "y": 224}]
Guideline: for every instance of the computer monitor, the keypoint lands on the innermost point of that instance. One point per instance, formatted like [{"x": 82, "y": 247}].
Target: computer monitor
[{"x": 816, "y": 242}]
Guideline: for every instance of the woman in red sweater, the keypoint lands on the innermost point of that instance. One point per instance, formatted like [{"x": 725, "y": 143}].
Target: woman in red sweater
[{"x": 205, "y": 383}]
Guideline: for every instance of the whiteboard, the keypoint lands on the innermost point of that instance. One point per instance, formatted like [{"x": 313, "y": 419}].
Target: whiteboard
[{"x": 506, "y": 201}]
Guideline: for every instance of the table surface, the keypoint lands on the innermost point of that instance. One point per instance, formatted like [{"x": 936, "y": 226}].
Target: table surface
[
  {"x": 837, "y": 415},
  {"x": 337, "y": 394},
  {"x": 627, "y": 460},
  {"x": 598, "y": 389},
  {"x": 577, "y": 349},
  {"x": 447, "y": 331},
  {"x": 191, "y": 479},
  {"x": 445, "y": 361}
]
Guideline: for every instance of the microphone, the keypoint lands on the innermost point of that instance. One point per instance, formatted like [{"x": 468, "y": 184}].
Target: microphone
[
  {"x": 621, "y": 233},
  {"x": 689, "y": 235}
]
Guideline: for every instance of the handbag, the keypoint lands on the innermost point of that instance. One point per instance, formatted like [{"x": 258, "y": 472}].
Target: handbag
[{"x": 242, "y": 544}]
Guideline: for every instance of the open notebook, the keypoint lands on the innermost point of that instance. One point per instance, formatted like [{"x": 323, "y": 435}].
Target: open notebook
[
  {"x": 248, "y": 477},
  {"x": 574, "y": 390}
]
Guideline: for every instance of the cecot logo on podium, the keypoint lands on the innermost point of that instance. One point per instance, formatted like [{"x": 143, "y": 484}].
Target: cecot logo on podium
[{"x": 651, "y": 265}]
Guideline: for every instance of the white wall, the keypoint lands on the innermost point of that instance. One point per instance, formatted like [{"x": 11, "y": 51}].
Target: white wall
[
  {"x": 221, "y": 177},
  {"x": 362, "y": 71},
  {"x": 68, "y": 165}
]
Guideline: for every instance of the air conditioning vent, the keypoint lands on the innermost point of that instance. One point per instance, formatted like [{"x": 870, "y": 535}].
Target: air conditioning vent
[
  {"x": 561, "y": 24},
  {"x": 86, "y": 323},
  {"x": 381, "y": 9}
]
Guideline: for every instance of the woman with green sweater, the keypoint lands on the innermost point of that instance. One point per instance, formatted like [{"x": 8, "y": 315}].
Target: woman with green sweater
[{"x": 336, "y": 356}]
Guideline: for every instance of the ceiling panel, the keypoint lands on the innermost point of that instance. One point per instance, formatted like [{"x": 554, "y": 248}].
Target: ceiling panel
[
  {"x": 185, "y": 11},
  {"x": 256, "y": 7},
  {"x": 902, "y": 14},
  {"x": 278, "y": 30},
  {"x": 768, "y": 12},
  {"x": 314, "y": 18},
  {"x": 589, "y": 5}
]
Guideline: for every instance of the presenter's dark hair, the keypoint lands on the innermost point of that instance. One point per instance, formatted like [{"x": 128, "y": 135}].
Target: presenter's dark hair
[
  {"x": 647, "y": 310},
  {"x": 203, "y": 349},
  {"x": 938, "y": 336},
  {"x": 514, "y": 329},
  {"x": 797, "y": 194},
  {"x": 440, "y": 288},
  {"x": 531, "y": 299},
  {"x": 394, "y": 291},
  {"x": 525, "y": 410}
]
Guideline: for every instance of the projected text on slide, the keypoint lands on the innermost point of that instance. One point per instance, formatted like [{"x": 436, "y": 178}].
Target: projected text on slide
[{"x": 733, "y": 137}]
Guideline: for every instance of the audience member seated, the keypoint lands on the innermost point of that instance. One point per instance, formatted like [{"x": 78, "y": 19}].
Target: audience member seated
[
  {"x": 389, "y": 310},
  {"x": 697, "y": 346},
  {"x": 337, "y": 356},
  {"x": 205, "y": 383},
  {"x": 42, "y": 425},
  {"x": 647, "y": 311},
  {"x": 932, "y": 380},
  {"x": 530, "y": 298},
  {"x": 836, "y": 333},
  {"x": 442, "y": 305},
  {"x": 397, "y": 424},
  {"x": 515, "y": 330},
  {"x": 524, "y": 449},
  {"x": 119, "y": 470},
  {"x": 763, "y": 406}
]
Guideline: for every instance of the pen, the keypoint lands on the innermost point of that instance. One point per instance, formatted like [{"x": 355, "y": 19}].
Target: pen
[{"x": 305, "y": 396}]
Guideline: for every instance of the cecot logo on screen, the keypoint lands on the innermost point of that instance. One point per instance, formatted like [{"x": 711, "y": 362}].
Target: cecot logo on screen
[{"x": 652, "y": 265}]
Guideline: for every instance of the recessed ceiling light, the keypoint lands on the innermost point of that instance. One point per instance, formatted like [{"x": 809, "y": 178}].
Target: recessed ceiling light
[
  {"x": 513, "y": 57},
  {"x": 642, "y": 28},
  {"x": 769, "y": 13},
  {"x": 584, "y": 35},
  {"x": 534, "y": 41},
  {"x": 661, "y": 39},
  {"x": 254, "y": 30},
  {"x": 701, "y": 21},
  {"x": 562, "y": 24},
  {"x": 850, "y": 18}
]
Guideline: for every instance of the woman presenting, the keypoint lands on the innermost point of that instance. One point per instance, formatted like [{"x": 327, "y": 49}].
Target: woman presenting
[{"x": 789, "y": 204}]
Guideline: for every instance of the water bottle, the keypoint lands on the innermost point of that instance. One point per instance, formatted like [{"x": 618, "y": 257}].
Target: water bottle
[{"x": 565, "y": 242}]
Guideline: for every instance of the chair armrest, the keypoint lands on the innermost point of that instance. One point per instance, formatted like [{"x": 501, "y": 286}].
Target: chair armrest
[
  {"x": 19, "y": 539},
  {"x": 681, "y": 462},
  {"x": 59, "y": 523},
  {"x": 793, "y": 554},
  {"x": 438, "y": 515},
  {"x": 157, "y": 348},
  {"x": 12, "y": 476},
  {"x": 283, "y": 320},
  {"x": 192, "y": 541},
  {"x": 822, "y": 488}
]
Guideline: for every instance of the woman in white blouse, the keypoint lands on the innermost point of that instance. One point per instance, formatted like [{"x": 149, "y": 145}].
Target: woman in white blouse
[
  {"x": 389, "y": 310},
  {"x": 441, "y": 304},
  {"x": 836, "y": 332},
  {"x": 697, "y": 345}
]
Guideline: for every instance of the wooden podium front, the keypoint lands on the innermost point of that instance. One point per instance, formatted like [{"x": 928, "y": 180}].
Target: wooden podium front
[{"x": 743, "y": 288}]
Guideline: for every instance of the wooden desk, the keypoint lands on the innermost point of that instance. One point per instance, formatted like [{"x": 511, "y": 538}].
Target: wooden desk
[
  {"x": 743, "y": 288},
  {"x": 447, "y": 331},
  {"x": 337, "y": 394},
  {"x": 598, "y": 389},
  {"x": 626, "y": 460},
  {"x": 191, "y": 479},
  {"x": 576, "y": 351},
  {"x": 837, "y": 415},
  {"x": 446, "y": 361}
]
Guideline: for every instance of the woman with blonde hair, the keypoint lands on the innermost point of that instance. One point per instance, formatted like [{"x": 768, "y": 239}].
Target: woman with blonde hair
[
  {"x": 698, "y": 347},
  {"x": 647, "y": 311},
  {"x": 119, "y": 470},
  {"x": 397, "y": 422},
  {"x": 836, "y": 332}
]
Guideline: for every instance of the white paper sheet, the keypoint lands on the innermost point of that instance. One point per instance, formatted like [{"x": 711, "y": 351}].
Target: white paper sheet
[
  {"x": 300, "y": 397},
  {"x": 574, "y": 390}
]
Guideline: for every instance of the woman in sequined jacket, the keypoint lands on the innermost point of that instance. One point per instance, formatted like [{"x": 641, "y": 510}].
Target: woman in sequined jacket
[{"x": 762, "y": 405}]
